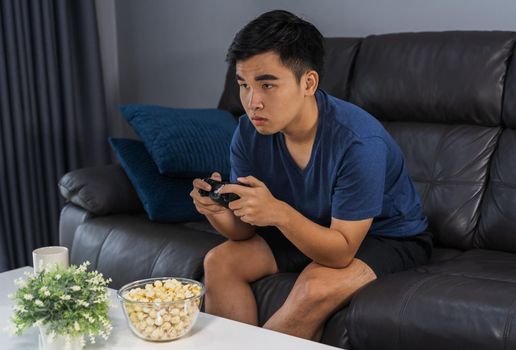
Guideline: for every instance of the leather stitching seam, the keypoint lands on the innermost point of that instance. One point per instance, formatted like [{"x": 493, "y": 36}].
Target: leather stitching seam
[
  {"x": 407, "y": 297},
  {"x": 102, "y": 246}
]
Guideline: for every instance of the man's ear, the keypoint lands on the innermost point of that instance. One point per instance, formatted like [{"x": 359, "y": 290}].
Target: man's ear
[{"x": 311, "y": 82}]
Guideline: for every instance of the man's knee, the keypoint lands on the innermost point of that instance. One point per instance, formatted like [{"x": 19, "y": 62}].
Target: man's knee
[
  {"x": 311, "y": 292},
  {"x": 219, "y": 258},
  {"x": 248, "y": 260},
  {"x": 316, "y": 289}
]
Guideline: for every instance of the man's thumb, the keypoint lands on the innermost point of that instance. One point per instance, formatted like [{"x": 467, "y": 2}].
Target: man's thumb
[{"x": 216, "y": 176}]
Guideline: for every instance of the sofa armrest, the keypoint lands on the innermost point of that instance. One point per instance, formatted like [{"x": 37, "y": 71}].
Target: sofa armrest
[
  {"x": 101, "y": 190},
  {"x": 71, "y": 217}
]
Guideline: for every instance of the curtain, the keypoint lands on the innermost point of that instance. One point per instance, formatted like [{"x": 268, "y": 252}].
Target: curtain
[{"x": 52, "y": 116}]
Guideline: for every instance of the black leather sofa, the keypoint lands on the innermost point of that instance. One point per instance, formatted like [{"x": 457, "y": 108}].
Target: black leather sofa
[{"x": 449, "y": 99}]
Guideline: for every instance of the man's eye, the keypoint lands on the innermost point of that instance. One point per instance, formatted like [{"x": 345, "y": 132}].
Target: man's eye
[
  {"x": 267, "y": 86},
  {"x": 244, "y": 85}
]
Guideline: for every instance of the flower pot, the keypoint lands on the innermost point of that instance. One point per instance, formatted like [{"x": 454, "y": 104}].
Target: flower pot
[{"x": 57, "y": 342}]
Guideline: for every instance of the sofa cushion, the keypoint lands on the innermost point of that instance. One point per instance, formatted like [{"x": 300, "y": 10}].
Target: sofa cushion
[
  {"x": 184, "y": 142},
  {"x": 477, "y": 263},
  {"x": 164, "y": 198},
  {"x": 437, "y": 77},
  {"x": 449, "y": 179}
]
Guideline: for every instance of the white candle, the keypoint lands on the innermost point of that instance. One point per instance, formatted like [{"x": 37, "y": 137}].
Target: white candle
[{"x": 47, "y": 257}]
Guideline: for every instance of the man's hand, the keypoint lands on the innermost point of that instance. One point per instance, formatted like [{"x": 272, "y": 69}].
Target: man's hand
[
  {"x": 256, "y": 206},
  {"x": 206, "y": 205}
]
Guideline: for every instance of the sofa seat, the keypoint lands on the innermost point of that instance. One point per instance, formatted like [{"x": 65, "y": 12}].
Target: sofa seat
[{"x": 466, "y": 302}]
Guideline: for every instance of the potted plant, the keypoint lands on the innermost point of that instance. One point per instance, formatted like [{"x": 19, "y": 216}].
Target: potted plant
[{"x": 67, "y": 304}]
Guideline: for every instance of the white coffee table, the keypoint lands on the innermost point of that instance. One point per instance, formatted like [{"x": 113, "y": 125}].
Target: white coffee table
[{"x": 209, "y": 332}]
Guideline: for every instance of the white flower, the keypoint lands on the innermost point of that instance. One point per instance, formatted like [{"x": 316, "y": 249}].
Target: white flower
[
  {"x": 43, "y": 289},
  {"x": 83, "y": 303},
  {"x": 58, "y": 277},
  {"x": 65, "y": 297},
  {"x": 75, "y": 288},
  {"x": 82, "y": 267},
  {"x": 28, "y": 297},
  {"x": 76, "y": 326},
  {"x": 88, "y": 317},
  {"x": 47, "y": 293},
  {"x": 20, "y": 282},
  {"x": 38, "y": 302}
]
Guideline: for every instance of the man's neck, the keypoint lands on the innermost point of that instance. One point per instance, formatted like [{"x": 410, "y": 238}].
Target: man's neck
[{"x": 304, "y": 127}]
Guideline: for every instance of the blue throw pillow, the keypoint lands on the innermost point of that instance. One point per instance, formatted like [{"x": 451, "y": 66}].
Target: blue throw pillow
[
  {"x": 184, "y": 142},
  {"x": 164, "y": 198}
]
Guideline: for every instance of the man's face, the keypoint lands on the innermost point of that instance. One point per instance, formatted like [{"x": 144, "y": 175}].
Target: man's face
[{"x": 270, "y": 93}]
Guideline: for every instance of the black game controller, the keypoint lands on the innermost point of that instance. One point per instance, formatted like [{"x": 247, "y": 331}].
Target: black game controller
[{"x": 222, "y": 198}]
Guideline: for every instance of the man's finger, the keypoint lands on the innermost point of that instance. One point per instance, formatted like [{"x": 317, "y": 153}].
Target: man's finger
[
  {"x": 216, "y": 176},
  {"x": 234, "y": 188},
  {"x": 198, "y": 183},
  {"x": 205, "y": 201},
  {"x": 236, "y": 204},
  {"x": 250, "y": 181}
]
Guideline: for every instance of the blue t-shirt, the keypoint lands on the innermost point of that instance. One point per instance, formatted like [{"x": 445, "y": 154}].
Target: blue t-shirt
[{"x": 356, "y": 170}]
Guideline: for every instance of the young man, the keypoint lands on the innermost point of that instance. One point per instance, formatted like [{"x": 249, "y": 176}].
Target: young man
[{"x": 327, "y": 191}]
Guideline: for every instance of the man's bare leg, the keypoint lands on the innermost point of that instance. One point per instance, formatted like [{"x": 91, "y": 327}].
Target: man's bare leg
[
  {"x": 229, "y": 269},
  {"x": 317, "y": 293}
]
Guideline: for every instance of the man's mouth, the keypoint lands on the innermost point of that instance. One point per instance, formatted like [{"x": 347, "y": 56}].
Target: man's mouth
[{"x": 258, "y": 120}]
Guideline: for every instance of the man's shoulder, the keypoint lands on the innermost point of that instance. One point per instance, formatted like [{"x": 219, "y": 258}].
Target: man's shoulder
[{"x": 346, "y": 117}]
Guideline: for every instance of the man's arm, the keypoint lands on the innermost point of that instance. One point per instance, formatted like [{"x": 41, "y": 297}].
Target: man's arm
[
  {"x": 230, "y": 226},
  {"x": 334, "y": 247}
]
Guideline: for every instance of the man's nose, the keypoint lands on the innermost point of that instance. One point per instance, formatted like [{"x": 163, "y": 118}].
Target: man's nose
[{"x": 255, "y": 101}]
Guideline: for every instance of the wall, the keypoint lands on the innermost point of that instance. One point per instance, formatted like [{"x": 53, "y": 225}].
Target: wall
[{"x": 171, "y": 52}]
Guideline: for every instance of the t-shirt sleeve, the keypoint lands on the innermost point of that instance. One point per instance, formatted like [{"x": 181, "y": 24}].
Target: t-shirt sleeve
[
  {"x": 359, "y": 188},
  {"x": 238, "y": 157}
]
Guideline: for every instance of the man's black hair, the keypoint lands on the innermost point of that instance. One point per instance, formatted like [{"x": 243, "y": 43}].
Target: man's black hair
[{"x": 298, "y": 43}]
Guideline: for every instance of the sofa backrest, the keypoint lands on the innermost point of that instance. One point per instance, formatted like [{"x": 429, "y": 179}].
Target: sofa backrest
[{"x": 449, "y": 100}]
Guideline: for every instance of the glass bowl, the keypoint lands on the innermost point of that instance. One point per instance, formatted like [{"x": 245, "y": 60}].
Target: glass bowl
[{"x": 159, "y": 309}]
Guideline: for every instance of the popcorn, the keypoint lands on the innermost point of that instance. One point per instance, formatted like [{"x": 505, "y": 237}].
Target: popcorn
[{"x": 171, "y": 309}]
